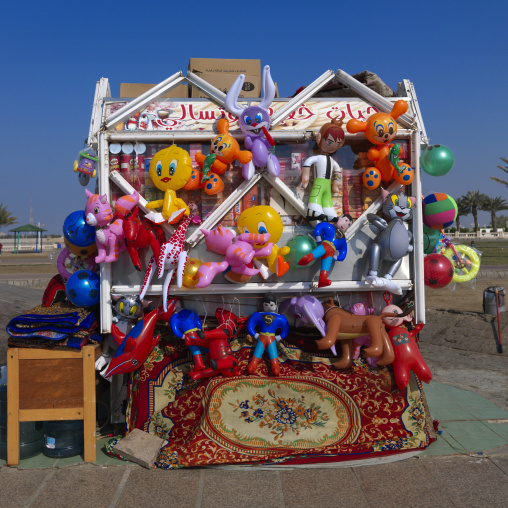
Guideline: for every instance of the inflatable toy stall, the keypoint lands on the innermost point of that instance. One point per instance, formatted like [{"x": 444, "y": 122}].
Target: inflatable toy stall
[{"x": 279, "y": 245}]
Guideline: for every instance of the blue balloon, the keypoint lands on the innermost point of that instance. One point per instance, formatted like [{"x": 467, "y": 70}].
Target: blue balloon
[
  {"x": 84, "y": 288},
  {"x": 77, "y": 231}
]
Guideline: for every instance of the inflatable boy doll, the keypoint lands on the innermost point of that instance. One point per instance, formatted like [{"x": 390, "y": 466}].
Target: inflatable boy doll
[{"x": 326, "y": 170}]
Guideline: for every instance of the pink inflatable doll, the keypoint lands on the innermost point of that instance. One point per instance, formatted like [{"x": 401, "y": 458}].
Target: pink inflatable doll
[{"x": 239, "y": 251}]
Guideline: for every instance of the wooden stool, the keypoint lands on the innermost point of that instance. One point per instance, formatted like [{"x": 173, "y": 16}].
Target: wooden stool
[{"x": 45, "y": 385}]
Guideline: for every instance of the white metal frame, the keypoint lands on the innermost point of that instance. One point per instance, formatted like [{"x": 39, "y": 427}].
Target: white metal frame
[
  {"x": 102, "y": 91},
  {"x": 105, "y": 136}
]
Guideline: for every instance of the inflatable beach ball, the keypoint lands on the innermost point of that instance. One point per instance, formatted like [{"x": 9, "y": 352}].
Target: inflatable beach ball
[
  {"x": 83, "y": 288},
  {"x": 438, "y": 271},
  {"x": 79, "y": 237},
  {"x": 439, "y": 210},
  {"x": 437, "y": 160}
]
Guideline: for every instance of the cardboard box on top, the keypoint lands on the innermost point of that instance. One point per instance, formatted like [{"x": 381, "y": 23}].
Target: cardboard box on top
[
  {"x": 251, "y": 86},
  {"x": 222, "y": 73},
  {"x": 225, "y": 66},
  {"x": 132, "y": 90}
]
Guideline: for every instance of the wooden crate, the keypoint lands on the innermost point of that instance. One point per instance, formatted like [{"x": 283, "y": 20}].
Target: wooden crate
[{"x": 45, "y": 385}]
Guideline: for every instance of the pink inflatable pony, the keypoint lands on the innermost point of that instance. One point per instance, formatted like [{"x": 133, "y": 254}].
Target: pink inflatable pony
[
  {"x": 239, "y": 251},
  {"x": 98, "y": 213}
]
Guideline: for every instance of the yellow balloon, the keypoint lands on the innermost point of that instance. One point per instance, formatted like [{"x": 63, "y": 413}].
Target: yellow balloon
[{"x": 190, "y": 274}]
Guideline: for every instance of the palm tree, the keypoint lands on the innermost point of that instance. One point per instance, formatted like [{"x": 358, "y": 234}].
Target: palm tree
[
  {"x": 462, "y": 209},
  {"x": 500, "y": 180},
  {"x": 475, "y": 200},
  {"x": 6, "y": 217},
  {"x": 494, "y": 205}
]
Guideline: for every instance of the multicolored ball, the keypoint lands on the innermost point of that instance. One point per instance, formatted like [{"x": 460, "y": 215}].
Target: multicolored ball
[{"x": 439, "y": 210}]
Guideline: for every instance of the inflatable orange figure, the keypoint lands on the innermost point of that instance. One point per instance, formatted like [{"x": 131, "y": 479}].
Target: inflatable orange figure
[
  {"x": 381, "y": 129},
  {"x": 224, "y": 150}
]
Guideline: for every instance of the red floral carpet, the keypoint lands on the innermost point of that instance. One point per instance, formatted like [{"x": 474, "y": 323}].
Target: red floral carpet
[{"x": 310, "y": 413}]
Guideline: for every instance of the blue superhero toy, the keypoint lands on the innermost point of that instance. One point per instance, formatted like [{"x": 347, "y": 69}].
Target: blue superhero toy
[
  {"x": 330, "y": 247},
  {"x": 187, "y": 324},
  {"x": 268, "y": 328}
]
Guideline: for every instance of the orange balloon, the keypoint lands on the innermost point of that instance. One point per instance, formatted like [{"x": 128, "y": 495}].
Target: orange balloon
[{"x": 190, "y": 273}]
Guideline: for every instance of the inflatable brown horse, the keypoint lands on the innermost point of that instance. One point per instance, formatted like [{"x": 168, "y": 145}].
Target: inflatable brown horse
[{"x": 343, "y": 327}]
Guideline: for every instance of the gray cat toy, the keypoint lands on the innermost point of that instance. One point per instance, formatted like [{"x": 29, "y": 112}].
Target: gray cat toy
[{"x": 394, "y": 241}]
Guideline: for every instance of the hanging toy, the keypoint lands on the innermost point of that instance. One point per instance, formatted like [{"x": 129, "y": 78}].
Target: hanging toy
[
  {"x": 254, "y": 121},
  {"x": 260, "y": 220},
  {"x": 141, "y": 233},
  {"x": 407, "y": 353},
  {"x": 85, "y": 166},
  {"x": 108, "y": 230},
  {"x": 326, "y": 170},
  {"x": 267, "y": 328},
  {"x": 170, "y": 170},
  {"x": 394, "y": 241},
  {"x": 224, "y": 149},
  {"x": 216, "y": 342},
  {"x": 238, "y": 251},
  {"x": 329, "y": 249},
  {"x": 171, "y": 255},
  {"x": 187, "y": 325},
  {"x": 343, "y": 326},
  {"x": 135, "y": 346},
  {"x": 380, "y": 129}
]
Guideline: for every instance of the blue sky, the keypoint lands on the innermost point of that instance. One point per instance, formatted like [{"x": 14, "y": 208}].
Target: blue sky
[{"x": 53, "y": 53}]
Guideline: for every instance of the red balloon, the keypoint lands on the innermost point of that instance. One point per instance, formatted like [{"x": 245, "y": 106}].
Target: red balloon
[{"x": 437, "y": 271}]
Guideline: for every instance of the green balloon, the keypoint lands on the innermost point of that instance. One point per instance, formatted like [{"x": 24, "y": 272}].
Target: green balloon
[
  {"x": 430, "y": 239},
  {"x": 437, "y": 160},
  {"x": 300, "y": 246}
]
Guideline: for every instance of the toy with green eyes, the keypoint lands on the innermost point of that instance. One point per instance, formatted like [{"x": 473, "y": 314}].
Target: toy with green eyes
[
  {"x": 393, "y": 242},
  {"x": 260, "y": 220},
  {"x": 170, "y": 170}
]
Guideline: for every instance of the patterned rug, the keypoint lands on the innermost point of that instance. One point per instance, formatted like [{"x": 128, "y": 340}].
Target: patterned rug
[{"x": 310, "y": 413}]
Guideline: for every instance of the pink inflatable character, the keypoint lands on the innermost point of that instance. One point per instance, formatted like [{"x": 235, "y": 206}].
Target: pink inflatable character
[
  {"x": 108, "y": 232},
  {"x": 360, "y": 309},
  {"x": 239, "y": 251}
]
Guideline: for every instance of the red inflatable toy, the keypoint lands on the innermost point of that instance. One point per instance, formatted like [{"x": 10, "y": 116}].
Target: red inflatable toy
[{"x": 437, "y": 270}]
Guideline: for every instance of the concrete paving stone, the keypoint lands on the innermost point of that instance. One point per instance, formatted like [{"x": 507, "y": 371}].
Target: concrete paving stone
[
  {"x": 468, "y": 481},
  {"x": 321, "y": 487},
  {"x": 473, "y": 436},
  {"x": 404, "y": 483},
  {"x": 246, "y": 488},
  {"x": 81, "y": 486},
  {"x": 158, "y": 488},
  {"x": 501, "y": 463},
  {"x": 17, "y": 487},
  {"x": 140, "y": 447}
]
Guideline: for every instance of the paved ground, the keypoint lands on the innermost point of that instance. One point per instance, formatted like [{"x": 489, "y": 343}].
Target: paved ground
[{"x": 467, "y": 466}]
